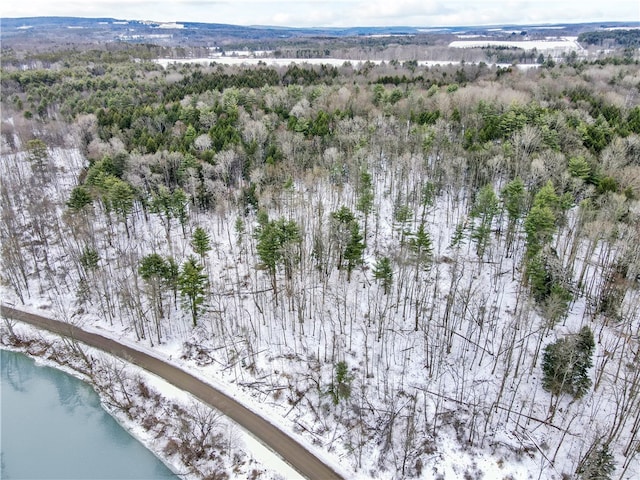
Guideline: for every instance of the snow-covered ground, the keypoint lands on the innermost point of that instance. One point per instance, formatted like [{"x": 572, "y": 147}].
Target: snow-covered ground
[
  {"x": 443, "y": 385},
  {"x": 285, "y": 62},
  {"x": 565, "y": 44}
]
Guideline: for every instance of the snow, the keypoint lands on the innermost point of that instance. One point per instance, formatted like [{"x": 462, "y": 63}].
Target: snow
[
  {"x": 264, "y": 355},
  {"x": 272, "y": 465},
  {"x": 268, "y": 458},
  {"x": 563, "y": 44},
  {"x": 285, "y": 62}
]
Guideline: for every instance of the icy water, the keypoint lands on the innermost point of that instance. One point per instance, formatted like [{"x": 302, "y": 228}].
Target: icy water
[{"x": 53, "y": 427}]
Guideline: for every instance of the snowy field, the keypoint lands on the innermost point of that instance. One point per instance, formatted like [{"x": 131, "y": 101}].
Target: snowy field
[
  {"x": 285, "y": 62},
  {"x": 564, "y": 44}
]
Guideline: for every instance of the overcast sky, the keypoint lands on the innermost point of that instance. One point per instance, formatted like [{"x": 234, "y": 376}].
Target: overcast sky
[{"x": 336, "y": 13}]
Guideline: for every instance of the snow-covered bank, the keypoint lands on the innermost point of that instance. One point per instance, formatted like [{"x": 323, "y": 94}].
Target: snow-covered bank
[{"x": 245, "y": 456}]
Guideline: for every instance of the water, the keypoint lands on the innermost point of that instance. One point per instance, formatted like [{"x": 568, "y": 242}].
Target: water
[{"x": 53, "y": 427}]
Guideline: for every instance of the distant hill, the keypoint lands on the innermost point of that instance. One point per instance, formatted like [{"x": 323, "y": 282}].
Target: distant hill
[{"x": 78, "y": 30}]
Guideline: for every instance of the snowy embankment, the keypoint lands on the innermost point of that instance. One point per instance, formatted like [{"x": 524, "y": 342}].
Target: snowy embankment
[{"x": 244, "y": 456}]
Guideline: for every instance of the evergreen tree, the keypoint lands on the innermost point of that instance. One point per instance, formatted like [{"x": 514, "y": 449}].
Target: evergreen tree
[
  {"x": 597, "y": 464},
  {"x": 161, "y": 203},
  {"x": 153, "y": 267},
  {"x": 566, "y": 363},
  {"x": 38, "y": 156},
  {"x": 154, "y": 270},
  {"x": 427, "y": 198},
  {"x": 278, "y": 242},
  {"x": 539, "y": 227},
  {"x": 402, "y": 214},
  {"x": 170, "y": 205},
  {"x": 179, "y": 202},
  {"x": 354, "y": 249},
  {"x": 119, "y": 197},
  {"x": 201, "y": 242},
  {"x": 240, "y": 230},
  {"x": 341, "y": 386},
  {"x": 458, "y": 237},
  {"x": 189, "y": 136},
  {"x": 79, "y": 198},
  {"x": 547, "y": 196},
  {"x": 341, "y": 221},
  {"x": 513, "y": 198},
  {"x": 421, "y": 247},
  {"x": 89, "y": 258},
  {"x": 172, "y": 275},
  {"x": 193, "y": 284},
  {"x": 365, "y": 198},
  {"x": 383, "y": 273},
  {"x": 483, "y": 211},
  {"x": 579, "y": 168}
]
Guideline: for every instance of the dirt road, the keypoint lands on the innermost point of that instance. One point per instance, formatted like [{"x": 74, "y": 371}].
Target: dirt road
[{"x": 291, "y": 451}]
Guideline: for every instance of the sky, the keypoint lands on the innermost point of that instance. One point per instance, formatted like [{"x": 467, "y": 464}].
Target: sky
[{"x": 336, "y": 13}]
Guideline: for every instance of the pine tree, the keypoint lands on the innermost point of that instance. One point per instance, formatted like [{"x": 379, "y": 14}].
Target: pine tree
[
  {"x": 383, "y": 273},
  {"x": 172, "y": 274},
  {"x": 89, "y": 258},
  {"x": 341, "y": 221},
  {"x": 539, "y": 227},
  {"x": 566, "y": 363},
  {"x": 341, "y": 386},
  {"x": 79, "y": 198},
  {"x": 193, "y": 284},
  {"x": 354, "y": 249},
  {"x": 597, "y": 464},
  {"x": 584, "y": 344},
  {"x": 119, "y": 197},
  {"x": 458, "y": 237},
  {"x": 427, "y": 198},
  {"x": 483, "y": 211},
  {"x": 154, "y": 270},
  {"x": 365, "y": 198},
  {"x": 513, "y": 198},
  {"x": 579, "y": 168},
  {"x": 278, "y": 242},
  {"x": 179, "y": 202},
  {"x": 201, "y": 242},
  {"x": 38, "y": 156},
  {"x": 170, "y": 205},
  {"x": 268, "y": 248},
  {"x": 153, "y": 267},
  {"x": 421, "y": 247}
]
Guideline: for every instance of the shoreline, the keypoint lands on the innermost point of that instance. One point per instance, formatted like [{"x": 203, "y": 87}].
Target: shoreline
[
  {"x": 282, "y": 453},
  {"x": 131, "y": 427}
]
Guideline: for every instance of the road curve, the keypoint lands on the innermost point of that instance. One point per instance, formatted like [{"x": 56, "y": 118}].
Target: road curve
[{"x": 291, "y": 451}]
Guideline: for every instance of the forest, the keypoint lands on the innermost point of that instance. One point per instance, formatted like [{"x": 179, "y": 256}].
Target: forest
[
  {"x": 625, "y": 38},
  {"x": 408, "y": 264}
]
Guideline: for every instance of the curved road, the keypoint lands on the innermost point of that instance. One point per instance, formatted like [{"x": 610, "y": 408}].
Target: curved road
[{"x": 291, "y": 451}]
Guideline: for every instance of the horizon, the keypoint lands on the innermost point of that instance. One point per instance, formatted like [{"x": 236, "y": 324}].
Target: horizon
[
  {"x": 635, "y": 24},
  {"x": 336, "y": 13}
]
